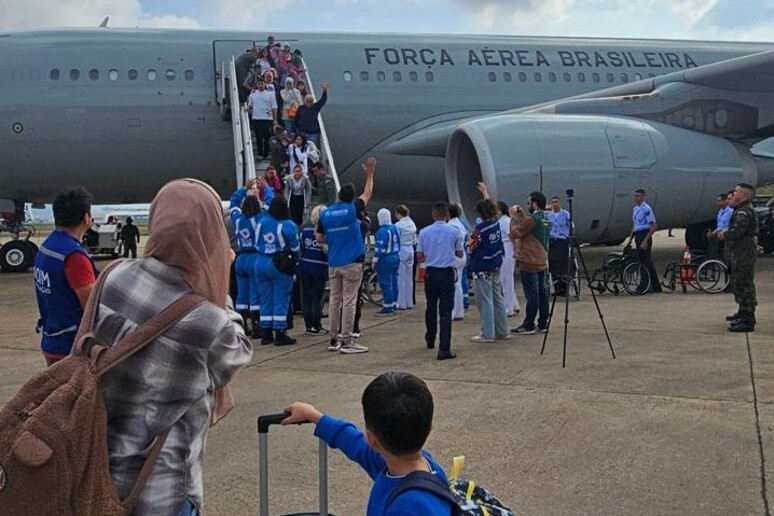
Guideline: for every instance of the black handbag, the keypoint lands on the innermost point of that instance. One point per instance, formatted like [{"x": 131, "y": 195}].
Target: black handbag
[{"x": 285, "y": 261}]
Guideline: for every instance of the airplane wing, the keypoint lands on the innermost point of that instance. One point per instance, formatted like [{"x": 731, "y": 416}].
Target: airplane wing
[{"x": 732, "y": 99}]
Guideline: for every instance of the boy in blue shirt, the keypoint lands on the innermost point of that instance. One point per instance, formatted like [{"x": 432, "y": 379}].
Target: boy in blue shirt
[{"x": 398, "y": 413}]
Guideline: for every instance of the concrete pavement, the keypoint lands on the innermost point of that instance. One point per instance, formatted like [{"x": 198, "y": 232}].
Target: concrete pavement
[{"x": 679, "y": 424}]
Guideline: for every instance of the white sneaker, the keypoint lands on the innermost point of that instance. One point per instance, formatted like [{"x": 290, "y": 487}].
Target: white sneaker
[
  {"x": 481, "y": 338},
  {"x": 335, "y": 345},
  {"x": 356, "y": 335},
  {"x": 352, "y": 348}
]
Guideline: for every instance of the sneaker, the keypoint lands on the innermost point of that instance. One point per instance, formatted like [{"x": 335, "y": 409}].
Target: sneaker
[
  {"x": 523, "y": 330},
  {"x": 355, "y": 335},
  {"x": 385, "y": 313},
  {"x": 316, "y": 331},
  {"x": 480, "y": 338},
  {"x": 541, "y": 330},
  {"x": 334, "y": 345},
  {"x": 352, "y": 348},
  {"x": 503, "y": 337}
]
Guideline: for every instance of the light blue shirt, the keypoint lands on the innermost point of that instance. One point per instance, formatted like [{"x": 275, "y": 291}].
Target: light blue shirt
[
  {"x": 724, "y": 217},
  {"x": 439, "y": 243},
  {"x": 560, "y": 223},
  {"x": 643, "y": 217}
]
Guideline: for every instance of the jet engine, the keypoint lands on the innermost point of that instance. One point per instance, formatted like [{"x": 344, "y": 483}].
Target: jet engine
[{"x": 603, "y": 159}]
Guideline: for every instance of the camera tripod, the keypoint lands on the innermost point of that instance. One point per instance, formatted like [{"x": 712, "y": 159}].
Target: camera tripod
[{"x": 572, "y": 249}]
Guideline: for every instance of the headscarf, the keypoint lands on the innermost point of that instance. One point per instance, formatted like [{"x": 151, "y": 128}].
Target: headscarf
[
  {"x": 383, "y": 216},
  {"x": 186, "y": 230}
]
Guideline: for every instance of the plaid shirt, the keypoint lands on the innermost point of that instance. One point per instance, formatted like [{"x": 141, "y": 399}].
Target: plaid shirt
[{"x": 168, "y": 384}]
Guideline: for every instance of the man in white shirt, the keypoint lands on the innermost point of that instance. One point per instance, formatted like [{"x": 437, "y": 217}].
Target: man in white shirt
[
  {"x": 408, "y": 240},
  {"x": 262, "y": 104},
  {"x": 455, "y": 212}
]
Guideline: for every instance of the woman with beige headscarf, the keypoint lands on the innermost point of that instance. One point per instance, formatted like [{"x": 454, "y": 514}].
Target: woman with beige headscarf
[{"x": 180, "y": 380}]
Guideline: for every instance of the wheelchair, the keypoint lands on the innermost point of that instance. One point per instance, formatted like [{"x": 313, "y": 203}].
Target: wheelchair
[
  {"x": 703, "y": 273},
  {"x": 622, "y": 272}
]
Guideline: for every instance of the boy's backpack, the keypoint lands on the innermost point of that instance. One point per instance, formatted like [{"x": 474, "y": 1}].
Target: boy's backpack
[
  {"x": 53, "y": 432},
  {"x": 465, "y": 497}
]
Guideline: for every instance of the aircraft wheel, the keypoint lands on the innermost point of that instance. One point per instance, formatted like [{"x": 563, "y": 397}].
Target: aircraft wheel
[
  {"x": 33, "y": 251},
  {"x": 16, "y": 256}
]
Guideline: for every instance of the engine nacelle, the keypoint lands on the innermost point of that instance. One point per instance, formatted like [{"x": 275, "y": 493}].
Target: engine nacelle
[{"x": 603, "y": 159}]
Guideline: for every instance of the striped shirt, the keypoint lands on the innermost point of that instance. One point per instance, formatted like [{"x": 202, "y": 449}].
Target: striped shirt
[{"x": 168, "y": 384}]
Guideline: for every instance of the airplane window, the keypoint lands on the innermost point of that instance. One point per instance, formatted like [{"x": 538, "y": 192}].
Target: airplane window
[
  {"x": 507, "y": 77},
  {"x": 189, "y": 75},
  {"x": 624, "y": 77},
  {"x": 637, "y": 77},
  {"x": 538, "y": 77},
  {"x": 347, "y": 76},
  {"x": 113, "y": 75},
  {"x": 151, "y": 75},
  {"x": 363, "y": 76},
  {"x": 522, "y": 77},
  {"x": 132, "y": 75},
  {"x": 610, "y": 77},
  {"x": 94, "y": 74},
  {"x": 413, "y": 76},
  {"x": 75, "y": 74},
  {"x": 171, "y": 75},
  {"x": 552, "y": 76},
  {"x": 567, "y": 77},
  {"x": 595, "y": 77},
  {"x": 54, "y": 74},
  {"x": 429, "y": 76},
  {"x": 397, "y": 76},
  {"x": 35, "y": 75},
  {"x": 581, "y": 77},
  {"x": 491, "y": 77},
  {"x": 380, "y": 76}
]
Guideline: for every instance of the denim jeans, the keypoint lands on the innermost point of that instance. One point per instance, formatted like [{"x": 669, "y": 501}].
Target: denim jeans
[
  {"x": 491, "y": 306},
  {"x": 536, "y": 292},
  {"x": 188, "y": 509}
]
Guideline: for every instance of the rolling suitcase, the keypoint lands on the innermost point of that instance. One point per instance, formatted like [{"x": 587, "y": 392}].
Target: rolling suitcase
[{"x": 264, "y": 423}]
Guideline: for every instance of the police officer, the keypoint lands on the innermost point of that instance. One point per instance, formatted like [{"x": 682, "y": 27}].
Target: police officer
[
  {"x": 644, "y": 226},
  {"x": 559, "y": 243},
  {"x": 245, "y": 210},
  {"x": 130, "y": 237},
  {"x": 64, "y": 274},
  {"x": 275, "y": 233},
  {"x": 386, "y": 262},
  {"x": 741, "y": 253},
  {"x": 439, "y": 245}
]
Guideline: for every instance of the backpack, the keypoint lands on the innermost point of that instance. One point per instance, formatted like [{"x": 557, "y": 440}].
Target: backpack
[
  {"x": 53, "y": 432},
  {"x": 465, "y": 497}
]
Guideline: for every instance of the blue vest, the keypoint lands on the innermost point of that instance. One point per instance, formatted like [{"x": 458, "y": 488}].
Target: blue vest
[
  {"x": 387, "y": 241},
  {"x": 60, "y": 310},
  {"x": 314, "y": 262},
  {"x": 489, "y": 253},
  {"x": 245, "y": 231},
  {"x": 342, "y": 231},
  {"x": 276, "y": 235}
]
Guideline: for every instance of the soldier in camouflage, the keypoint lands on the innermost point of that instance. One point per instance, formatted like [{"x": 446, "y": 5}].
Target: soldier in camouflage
[{"x": 741, "y": 252}]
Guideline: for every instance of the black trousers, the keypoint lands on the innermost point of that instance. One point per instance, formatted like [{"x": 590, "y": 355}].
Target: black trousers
[
  {"x": 647, "y": 260},
  {"x": 297, "y": 209},
  {"x": 439, "y": 291},
  {"x": 262, "y": 130},
  {"x": 312, "y": 289},
  {"x": 557, "y": 263},
  {"x": 130, "y": 247}
]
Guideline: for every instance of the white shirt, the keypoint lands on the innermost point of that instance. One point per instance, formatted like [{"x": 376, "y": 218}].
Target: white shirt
[
  {"x": 262, "y": 102},
  {"x": 505, "y": 228},
  {"x": 408, "y": 232},
  {"x": 298, "y": 157},
  {"x": 460, "y": 227}
]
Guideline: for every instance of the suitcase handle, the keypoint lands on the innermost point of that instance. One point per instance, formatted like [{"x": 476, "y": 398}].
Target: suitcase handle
[{"x": 267, "y": 420}]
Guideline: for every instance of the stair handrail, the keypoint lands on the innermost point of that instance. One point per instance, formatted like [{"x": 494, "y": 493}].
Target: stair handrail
[
  {"x": 240, "y": 128},
  {"x": 327, "y": 154}
]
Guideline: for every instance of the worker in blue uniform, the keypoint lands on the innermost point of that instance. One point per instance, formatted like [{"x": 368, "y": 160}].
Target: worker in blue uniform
[
  {"x": 275, "y": 233},
  {"x": 246, "y": 213},
  {"x": 387, "y": 262}
]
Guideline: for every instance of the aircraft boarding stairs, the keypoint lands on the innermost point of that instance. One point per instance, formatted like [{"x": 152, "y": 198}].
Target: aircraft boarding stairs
[{"x": 247, "y": 164}]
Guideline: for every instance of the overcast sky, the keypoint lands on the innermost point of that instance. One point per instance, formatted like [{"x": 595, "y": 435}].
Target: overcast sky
[{"x": 751, "y": 20}]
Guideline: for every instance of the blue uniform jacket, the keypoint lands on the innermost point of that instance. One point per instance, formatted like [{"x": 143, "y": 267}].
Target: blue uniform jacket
[
  {"x": 351, "y": 441},
  {"x": 341, "y": 227},
  {"x": 488, "y": 254},
  {"x": 386, "y": 242},
  {"x": 276, "y": 235},
  {"x": 245, "y": 227},
  {"x": 314, "y": 262}
]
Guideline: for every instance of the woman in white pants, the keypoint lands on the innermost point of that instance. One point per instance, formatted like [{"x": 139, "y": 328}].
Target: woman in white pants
[
  {"x": 509, "y": 262},
  {"x": 408, "y": 239},
  {"x": 455, "y": 212}
]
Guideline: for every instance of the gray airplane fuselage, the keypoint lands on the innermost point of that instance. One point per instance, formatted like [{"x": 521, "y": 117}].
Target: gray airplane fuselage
[{"x": 123, "y": 111}]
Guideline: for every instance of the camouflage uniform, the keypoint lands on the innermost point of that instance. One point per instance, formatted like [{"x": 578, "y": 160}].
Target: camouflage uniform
[{"x": 741, "y": 253}]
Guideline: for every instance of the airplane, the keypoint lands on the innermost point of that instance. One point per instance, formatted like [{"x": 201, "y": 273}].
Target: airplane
[{"x": 123, "y": 111}]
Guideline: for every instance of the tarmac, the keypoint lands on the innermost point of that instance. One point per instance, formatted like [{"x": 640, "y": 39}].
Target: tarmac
[{"x": 680, "y": 423}]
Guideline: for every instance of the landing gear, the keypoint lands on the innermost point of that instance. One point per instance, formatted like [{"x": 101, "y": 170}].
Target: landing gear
[
  {"x": 18, "y": 254},
  {"x": 696, "y": 235}
]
